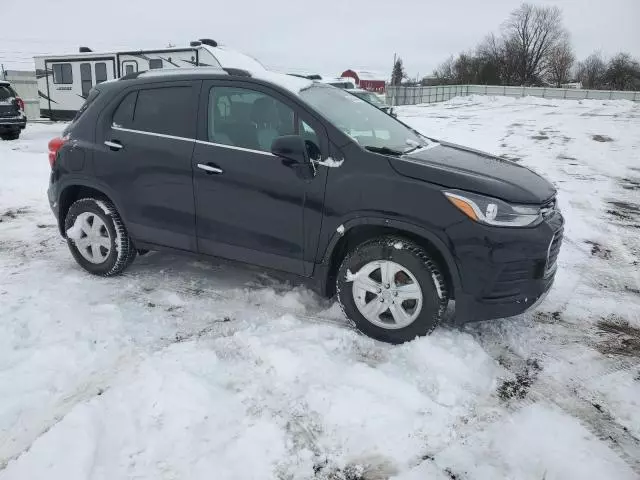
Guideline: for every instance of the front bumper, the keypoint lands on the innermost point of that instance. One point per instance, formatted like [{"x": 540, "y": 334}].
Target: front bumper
[{"x": 504, "y": 271}]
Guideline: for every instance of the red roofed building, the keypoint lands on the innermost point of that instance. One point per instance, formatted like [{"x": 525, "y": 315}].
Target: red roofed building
[{"x": 372, "y": 81}]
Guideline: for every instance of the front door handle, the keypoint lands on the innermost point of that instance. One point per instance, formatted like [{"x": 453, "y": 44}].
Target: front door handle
[
  {"x": 113, "y": 145},
  {"x": 210, "y": 168}
]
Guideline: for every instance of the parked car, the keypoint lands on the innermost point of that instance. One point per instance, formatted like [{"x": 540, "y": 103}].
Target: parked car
[
  {"x": 12, "y": 117},
  {"x": 373, "y": 99},
  {"x": 295, "y": 175}
]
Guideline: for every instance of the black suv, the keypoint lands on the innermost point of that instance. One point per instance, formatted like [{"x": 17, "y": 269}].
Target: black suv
[
  {"x": 305, "y": 178},
  {"x": 12, "y": 117}
]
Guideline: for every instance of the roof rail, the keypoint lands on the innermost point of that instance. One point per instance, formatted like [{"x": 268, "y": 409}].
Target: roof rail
[{"x": 237, "y": 72}]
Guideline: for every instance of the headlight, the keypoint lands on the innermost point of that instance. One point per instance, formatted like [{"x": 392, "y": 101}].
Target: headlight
[{"x": 492, "y": 211}]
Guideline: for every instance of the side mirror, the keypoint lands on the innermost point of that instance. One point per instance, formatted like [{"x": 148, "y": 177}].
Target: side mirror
[
  {"x": 293, "y": 151},
  {"x": 291, "y": 148}
]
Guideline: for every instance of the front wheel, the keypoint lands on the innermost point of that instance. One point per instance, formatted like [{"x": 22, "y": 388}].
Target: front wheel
[
  {"x": 392, "y": 290},
  {"x": 97, "y": 237}
]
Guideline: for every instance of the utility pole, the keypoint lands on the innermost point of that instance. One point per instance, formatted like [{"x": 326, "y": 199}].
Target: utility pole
[
  {"x": 393, "y": 87},
  {"x": 2, "y": 69}
]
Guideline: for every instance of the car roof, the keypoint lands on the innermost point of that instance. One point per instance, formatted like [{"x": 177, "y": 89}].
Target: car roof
[
  {"x": 4, "y": 82},
  {"x": 286, "y": 82}
]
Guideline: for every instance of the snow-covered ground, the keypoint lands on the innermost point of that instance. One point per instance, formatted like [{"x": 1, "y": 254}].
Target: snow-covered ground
[{"x": 192, "y": 369}]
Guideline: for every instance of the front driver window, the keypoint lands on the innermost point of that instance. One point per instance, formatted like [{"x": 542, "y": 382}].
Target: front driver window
[{"x": 246, "y": 118}]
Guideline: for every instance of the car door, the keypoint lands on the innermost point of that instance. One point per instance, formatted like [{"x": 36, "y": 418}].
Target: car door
[
  {"x": 144, "y": 157},
  {"x": 250, "y": 205}
]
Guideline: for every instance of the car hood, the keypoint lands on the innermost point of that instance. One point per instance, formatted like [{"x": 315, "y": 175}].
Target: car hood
[{"x": 455, "y": 166}]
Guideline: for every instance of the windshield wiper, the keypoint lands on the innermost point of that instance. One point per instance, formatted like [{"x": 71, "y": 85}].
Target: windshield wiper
[
  {"x": 412, "y": 149},
  {"x": 384, "y": 150}
]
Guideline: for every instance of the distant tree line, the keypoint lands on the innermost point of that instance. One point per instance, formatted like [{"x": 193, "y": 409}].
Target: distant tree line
[{"x": 533, "y": 48}]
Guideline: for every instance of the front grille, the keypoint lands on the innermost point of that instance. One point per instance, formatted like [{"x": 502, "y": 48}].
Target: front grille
[{"x": 554, "y": 250}]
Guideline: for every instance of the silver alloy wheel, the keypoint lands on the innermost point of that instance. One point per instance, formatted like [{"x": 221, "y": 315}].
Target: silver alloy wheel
[
  {"x": 92, "y": 237},
  {"x": 387, "y": 294}
]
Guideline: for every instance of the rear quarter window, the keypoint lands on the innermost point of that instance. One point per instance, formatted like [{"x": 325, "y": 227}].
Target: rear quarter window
[
  {"x": 123, "y": 116},
  {"x": 92, "y": 95}
]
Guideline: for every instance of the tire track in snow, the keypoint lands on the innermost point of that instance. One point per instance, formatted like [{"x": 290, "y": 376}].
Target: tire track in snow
[{"x": 597, "y": 420}]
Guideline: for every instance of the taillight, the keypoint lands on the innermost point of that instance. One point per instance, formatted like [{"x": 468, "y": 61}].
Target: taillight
[
  {"x": 20, "y": 103},
  {"x": 55, "y": 145}
]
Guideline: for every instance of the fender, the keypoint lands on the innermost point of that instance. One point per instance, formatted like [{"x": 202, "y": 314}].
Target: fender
[
  {"x": 74, "y": 180},
  {"x": 398, "y": 225}
]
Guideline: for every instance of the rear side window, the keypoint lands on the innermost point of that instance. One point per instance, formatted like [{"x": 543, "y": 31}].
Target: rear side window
[
  {"x": 6, "y": 92},
  {"x": 166, "y": 110},
  {"x": 101, "y": 72},
  {"x": 85, "y": 78},
  {"x": 155, "y": 63},
  {"x": 62, "y": 73},
  {"x": 123, "y": 116}
]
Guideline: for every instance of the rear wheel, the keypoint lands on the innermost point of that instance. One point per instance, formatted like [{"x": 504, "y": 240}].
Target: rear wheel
[
  {"x": 392, "y": 290},
  {"x": 11, "y": 135},
  {"x": 97, "y": 237}
]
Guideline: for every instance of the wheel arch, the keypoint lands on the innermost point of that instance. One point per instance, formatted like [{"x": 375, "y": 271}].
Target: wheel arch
[
  {"x": 77, "y": 190},
  {"x": 360, "y": 230}
]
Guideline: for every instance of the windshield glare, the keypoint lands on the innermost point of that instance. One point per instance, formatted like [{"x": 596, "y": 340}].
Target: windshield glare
[
  {"x": 370, "y": 97},
  {"x": 365, "y": 123}
]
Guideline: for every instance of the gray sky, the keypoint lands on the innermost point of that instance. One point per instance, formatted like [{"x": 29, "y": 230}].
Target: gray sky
[{"x": 327, "y": 37}]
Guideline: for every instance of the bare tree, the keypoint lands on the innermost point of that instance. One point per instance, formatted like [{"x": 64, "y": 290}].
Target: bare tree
[
  {"x": 444, "y": 72},
  {"x": 592, "y": 70},
  {"x": 623, "y": 73},
  {"x": 561, "y": 59},
  {"x": 533, "y": 31}
]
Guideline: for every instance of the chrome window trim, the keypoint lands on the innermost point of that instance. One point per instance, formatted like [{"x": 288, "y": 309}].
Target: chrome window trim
[
  {"x": 153, "y": 134},
  {"x": 185, "y": 139},
  {"x": 233, "y": 147}
]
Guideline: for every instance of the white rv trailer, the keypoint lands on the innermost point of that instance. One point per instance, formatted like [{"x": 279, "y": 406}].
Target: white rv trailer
[{"x": 64, "y": 81}]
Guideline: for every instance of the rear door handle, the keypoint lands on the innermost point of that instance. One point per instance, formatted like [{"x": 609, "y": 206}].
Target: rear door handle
[
  {"x": 209, "y": 168},
  {"x": 113, "y": 145}
]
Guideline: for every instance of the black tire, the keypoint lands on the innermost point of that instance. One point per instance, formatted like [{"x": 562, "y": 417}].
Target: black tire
[
  {"x": 11, "y": 135},
  {"x": 413, "y": 258},
  {"x": 133, "y": 253},
  {"x": 119, "y": 257}
]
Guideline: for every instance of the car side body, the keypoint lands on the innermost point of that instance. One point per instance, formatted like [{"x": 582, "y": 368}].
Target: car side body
[{"x": 187, "y": 190}]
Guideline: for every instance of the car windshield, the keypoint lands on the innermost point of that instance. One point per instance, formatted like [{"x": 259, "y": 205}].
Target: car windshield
[
  {"x": 366, "y": 124},
  {"x": 370, "y": 97}
]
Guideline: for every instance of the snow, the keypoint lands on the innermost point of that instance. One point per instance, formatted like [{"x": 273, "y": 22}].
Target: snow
[
  {"x": 289, "y": 82},
  {"x": 230, "y": 58},
  {"x": 75, "y": 232},
  {"x": 330, "y": 162},
  {"x": 183, "y": 368}
]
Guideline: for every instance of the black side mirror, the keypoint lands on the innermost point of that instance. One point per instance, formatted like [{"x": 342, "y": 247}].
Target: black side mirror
[
  {"x": 293, "y": 151},
  {"x": 291, "y": 148}
]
